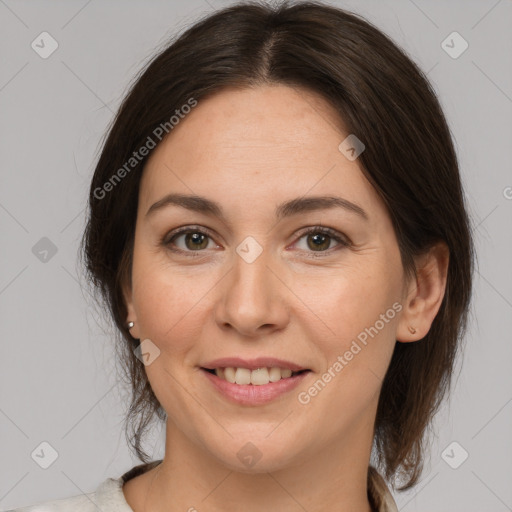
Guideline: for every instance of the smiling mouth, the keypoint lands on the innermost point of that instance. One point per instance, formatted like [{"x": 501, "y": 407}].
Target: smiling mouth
[{"x": 258, "y": 377}]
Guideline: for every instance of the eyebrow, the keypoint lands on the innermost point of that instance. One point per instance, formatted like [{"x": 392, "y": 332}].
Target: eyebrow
[{"x": 286, "y": 209}]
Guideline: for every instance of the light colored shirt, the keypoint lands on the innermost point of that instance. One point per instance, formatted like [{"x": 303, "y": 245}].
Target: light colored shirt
[{"x": 109, "y": 496}]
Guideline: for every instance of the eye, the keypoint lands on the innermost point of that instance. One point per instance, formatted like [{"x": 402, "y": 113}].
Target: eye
[
  {"x": 318, "y": 239},
  {"x": 194, "y": 240}
]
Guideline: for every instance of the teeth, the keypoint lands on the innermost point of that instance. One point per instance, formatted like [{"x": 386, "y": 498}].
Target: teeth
[
  {"x": 242, "y": 376},
  {"x": 274, "y": 374},
  {"x": 229, "y": 374},
  {"x": 257, "y": 377}
]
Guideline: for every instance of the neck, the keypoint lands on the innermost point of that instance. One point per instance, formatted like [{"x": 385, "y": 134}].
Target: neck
[{"x": 191, "y": 479}]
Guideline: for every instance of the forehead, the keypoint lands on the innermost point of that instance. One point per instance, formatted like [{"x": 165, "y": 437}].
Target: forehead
[{"x": 253, "y": 144}]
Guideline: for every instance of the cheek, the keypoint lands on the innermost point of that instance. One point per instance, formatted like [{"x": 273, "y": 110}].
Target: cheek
[
  {"x": 169, "y": 302},
  {"x": 361, "y": 312},
  {"x": 355, "y": 297},
  {"x": 358, "y": 304}
]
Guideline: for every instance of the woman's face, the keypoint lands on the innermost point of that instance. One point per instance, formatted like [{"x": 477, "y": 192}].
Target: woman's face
[{"x": 250, "y": 284}]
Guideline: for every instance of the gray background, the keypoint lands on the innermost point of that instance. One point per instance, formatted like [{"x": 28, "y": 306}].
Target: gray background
[{"x": 58, "y": 382}]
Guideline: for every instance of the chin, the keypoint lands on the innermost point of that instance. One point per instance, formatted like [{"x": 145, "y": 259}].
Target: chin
[{"x": 259, "y": 455}]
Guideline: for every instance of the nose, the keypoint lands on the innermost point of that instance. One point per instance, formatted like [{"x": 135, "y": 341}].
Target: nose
[{"x": 252, "y": 300}]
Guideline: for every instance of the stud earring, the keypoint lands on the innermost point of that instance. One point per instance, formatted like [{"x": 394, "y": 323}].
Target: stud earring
[
  {"x": 134, "y": 340},
  {"x": 412, "y": 330}
]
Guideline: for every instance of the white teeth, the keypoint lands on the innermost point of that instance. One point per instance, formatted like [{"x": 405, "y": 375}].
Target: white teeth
[
  {"x": 229, "y": 375},
  {"x": 274, "y": 374},
  {"x": 257, "y": 377},
  {"x": 286, "y": 373},
  {"x": 243, "y": 376}
]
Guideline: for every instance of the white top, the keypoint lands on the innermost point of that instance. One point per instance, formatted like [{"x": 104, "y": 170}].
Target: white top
[{"x": 109, "y": 496}]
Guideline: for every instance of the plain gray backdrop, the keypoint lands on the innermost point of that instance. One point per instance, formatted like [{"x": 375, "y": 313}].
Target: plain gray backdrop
[{"x": 58, "y": 381}]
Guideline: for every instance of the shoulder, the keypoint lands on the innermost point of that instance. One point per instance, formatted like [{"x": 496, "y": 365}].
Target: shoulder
[
  {"x": 107, "y": 497},
  {"x": 80, "y": 503}
]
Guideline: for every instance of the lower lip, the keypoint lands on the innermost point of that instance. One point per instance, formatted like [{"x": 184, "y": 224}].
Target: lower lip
[{"x": 249, "y": 394}]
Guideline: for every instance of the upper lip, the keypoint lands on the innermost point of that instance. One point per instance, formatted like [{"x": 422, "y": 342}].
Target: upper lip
[{"x": 252, "y": 364}]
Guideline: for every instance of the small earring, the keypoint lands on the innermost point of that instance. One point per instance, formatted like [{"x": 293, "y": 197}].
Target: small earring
[
  {"x": 412, "y": 330},
  {"x": 130, "y": 325}
]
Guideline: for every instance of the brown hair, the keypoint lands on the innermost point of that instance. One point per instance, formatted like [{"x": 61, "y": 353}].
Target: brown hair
[{"x": 382, "y": 97}]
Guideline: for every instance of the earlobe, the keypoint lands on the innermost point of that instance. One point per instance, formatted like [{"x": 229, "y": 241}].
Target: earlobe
[
  {"x": 424, "y": 295},
  {"x": 131, "y": 317}
]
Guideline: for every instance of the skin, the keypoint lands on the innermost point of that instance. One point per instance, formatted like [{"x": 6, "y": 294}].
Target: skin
[{"x": 250, "y": 150}]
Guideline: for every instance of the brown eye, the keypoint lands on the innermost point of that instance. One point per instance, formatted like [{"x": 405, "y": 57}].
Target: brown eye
[
  {"x": 319, "y": 240},
  {"x": 194, "y": 240}
]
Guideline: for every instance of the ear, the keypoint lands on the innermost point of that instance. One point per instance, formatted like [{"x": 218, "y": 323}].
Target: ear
[
  {"x": 130, "y": 309},
  {"x": 424, "y": 294}
]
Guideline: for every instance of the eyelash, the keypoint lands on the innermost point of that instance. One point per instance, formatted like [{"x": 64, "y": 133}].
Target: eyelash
[{"x": 335, "y": 235}]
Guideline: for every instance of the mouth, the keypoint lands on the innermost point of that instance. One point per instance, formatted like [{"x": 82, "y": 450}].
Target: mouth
[
  {"x": 256, "y": 387},
  {"x": 253, "y": 381},
  {"x": 257, "y": 377}
]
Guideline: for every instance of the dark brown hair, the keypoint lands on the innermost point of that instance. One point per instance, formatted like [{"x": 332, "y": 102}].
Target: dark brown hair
[{"x": 383, "y": 98}]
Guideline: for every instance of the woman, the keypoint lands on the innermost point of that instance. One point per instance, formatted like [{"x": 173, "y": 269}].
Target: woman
[{"x": 278, "y": 229}]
